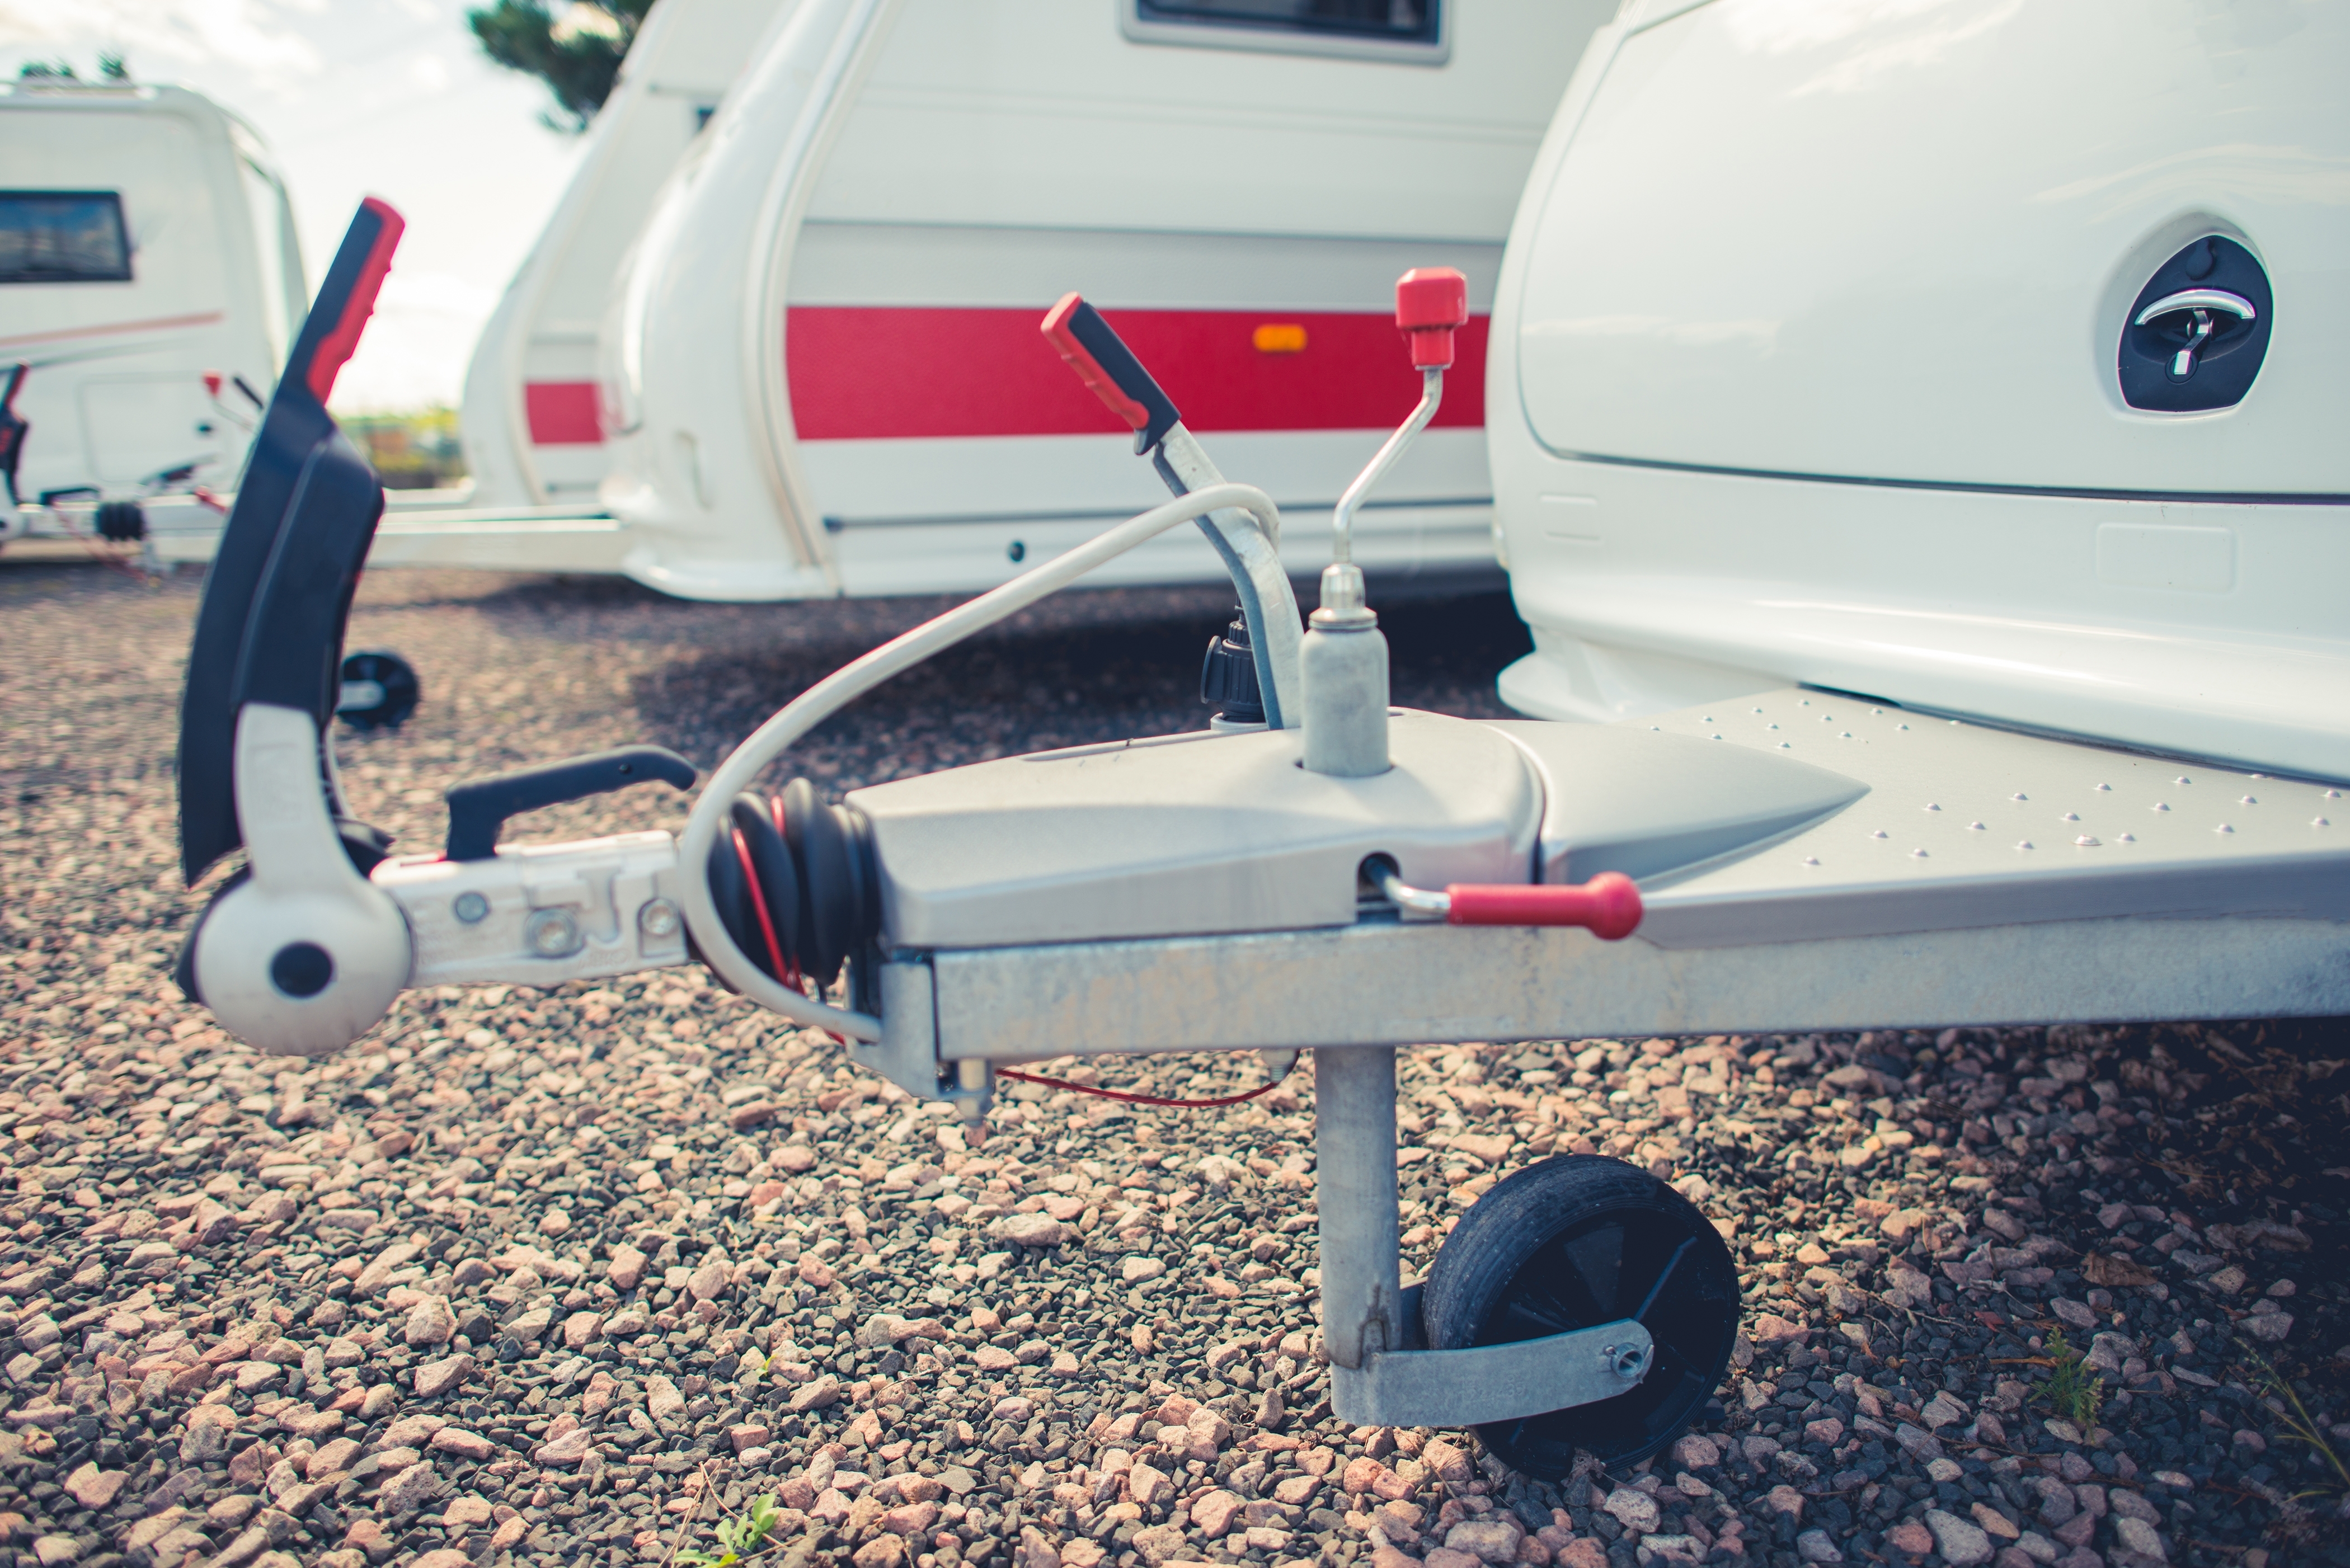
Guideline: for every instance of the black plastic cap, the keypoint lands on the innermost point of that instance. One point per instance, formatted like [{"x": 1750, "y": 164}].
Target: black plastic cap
[{"x": 1228, "y": 675}]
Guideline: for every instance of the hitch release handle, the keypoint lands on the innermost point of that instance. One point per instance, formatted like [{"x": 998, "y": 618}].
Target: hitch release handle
[
  {"x": 1609, "y": 906},
  {"x": 479, "y": 808}
]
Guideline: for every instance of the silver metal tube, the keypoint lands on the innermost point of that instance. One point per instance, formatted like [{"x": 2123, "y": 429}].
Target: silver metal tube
[
  {"x": 976, "y": 1079},
  {"x": 1404, "y": 895},
  {"x": 1344, "y": 667},
  {"x": 1250, "y": 551},
  {"x": 1342, "y": 519},
  {"x": 1355, "y": 1197}
]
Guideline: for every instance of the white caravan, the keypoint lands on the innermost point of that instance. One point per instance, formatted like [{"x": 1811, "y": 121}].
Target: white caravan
[
  {"x": 821, "y": 372},
  {"x": 148, "y": 264},
  {"x": 825, "y": 374},
  {"x": 531, "y": 431},
  {"x": 1983, "y": 357}
]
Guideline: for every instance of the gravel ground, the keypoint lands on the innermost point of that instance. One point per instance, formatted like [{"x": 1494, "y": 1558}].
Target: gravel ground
[{"x": 571, "y": 1277}]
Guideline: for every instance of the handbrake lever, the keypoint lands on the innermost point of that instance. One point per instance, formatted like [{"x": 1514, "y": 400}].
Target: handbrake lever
[{"x": 1111, "y": 372}]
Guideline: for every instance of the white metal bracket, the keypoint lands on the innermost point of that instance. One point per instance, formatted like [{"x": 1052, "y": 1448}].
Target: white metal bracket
[{"x": 1492, "y": 1382}]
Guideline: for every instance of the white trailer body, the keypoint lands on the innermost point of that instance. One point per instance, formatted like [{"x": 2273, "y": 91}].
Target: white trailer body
[
  {"x": 145, "y": 240},
  {"x": 823, "y": 373},
  {"x": 532, "y": 436},
  {"x": 1889, "y": 427}
]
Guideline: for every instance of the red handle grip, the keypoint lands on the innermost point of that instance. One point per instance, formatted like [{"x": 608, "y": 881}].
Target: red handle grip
[
  {"x": 1608, "y": 904},
  {"x": 346, "y": 299},
  {"x": 1109, "y": 369},
  {"x": 1431, "y": 302}
]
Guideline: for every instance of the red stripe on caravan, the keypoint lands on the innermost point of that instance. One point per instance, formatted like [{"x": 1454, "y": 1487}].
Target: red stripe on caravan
[
  {"x": 205, "y": 319},
  {"x": 864, "y": 373},
  {"x": 562, "y": 414}
]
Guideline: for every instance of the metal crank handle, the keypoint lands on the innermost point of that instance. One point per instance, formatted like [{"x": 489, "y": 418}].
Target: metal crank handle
[{"x": 1609, "y": 906}]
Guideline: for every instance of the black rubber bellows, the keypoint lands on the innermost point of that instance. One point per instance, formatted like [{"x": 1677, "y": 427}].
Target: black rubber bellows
[{"x": 811, "y": 876}]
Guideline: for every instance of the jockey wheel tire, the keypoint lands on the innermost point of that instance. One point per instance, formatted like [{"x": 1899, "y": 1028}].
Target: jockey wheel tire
[
  {"x": 387, "y": 689},
  {"x": 1575, "y": 1241}
]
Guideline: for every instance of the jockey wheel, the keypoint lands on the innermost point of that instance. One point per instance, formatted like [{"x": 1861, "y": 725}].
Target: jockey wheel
[
  {"x": 1573, "y": 1243},
  {"x": 380, "y": 691}
]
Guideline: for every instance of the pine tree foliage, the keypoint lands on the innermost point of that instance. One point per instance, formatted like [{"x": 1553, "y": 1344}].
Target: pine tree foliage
[{"x": 575, "y": 49}]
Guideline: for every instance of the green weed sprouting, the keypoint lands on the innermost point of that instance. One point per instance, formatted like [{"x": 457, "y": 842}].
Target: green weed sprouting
[
  {"x": 739, "y": 1537},
  {"x": 2072, "y": 1391},
  {"x": 2294, "y": 1417}
]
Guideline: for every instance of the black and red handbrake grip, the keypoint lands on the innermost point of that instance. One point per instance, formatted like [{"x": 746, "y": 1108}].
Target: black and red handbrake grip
[
  {"x": 1106, "y": 366},
  {"x": 276, "y": 600},
  {"x": 347, "y": 298}
]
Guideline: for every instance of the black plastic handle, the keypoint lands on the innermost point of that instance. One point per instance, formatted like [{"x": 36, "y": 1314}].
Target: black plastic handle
[
  {"x": 279, "y": 588},
  {"x": 1106, "y": 366},
  {"x": 478, "y": 809}
]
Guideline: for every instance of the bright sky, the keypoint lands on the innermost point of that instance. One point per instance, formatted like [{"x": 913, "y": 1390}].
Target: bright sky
[{"x": 356, "y": 97}]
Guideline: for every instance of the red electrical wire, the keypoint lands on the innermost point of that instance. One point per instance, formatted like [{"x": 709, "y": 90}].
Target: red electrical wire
[
  {"x": 787, "y": 973},
  {"x": 776, "y": 811},
  {"x": 120, "y": 562},
  {"x": 1140, "y": 1099}
]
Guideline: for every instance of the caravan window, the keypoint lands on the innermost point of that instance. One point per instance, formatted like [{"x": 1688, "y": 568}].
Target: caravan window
[
  {"x": 1405, "y": 30},
  {"x": 63, "y": 236}
]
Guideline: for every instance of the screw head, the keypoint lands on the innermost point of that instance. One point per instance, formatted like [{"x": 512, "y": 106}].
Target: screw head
[
  {"x": 1628, "y": 1362},
  {"x": 659, "y": 918},
  {"x": 472, "y": 909},
  {"x": 551, "y": 933}
]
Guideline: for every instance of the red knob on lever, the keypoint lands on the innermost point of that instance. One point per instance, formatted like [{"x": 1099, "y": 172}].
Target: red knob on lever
[
  {"x": 1431, "y": 301},
  {"x": 1608, "y": 904}
]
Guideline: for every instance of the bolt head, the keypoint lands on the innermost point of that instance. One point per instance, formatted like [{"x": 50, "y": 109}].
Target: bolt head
[
  {"x": 659, "y": 918},
  {"x": 551, "y": 933},
  {"x": 472, "y": 909}
]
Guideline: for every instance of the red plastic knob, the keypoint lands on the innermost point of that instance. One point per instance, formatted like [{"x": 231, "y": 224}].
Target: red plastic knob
[
  {"x": 1431, "y": 301},
  {"x": 1608, "y": 904}
]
